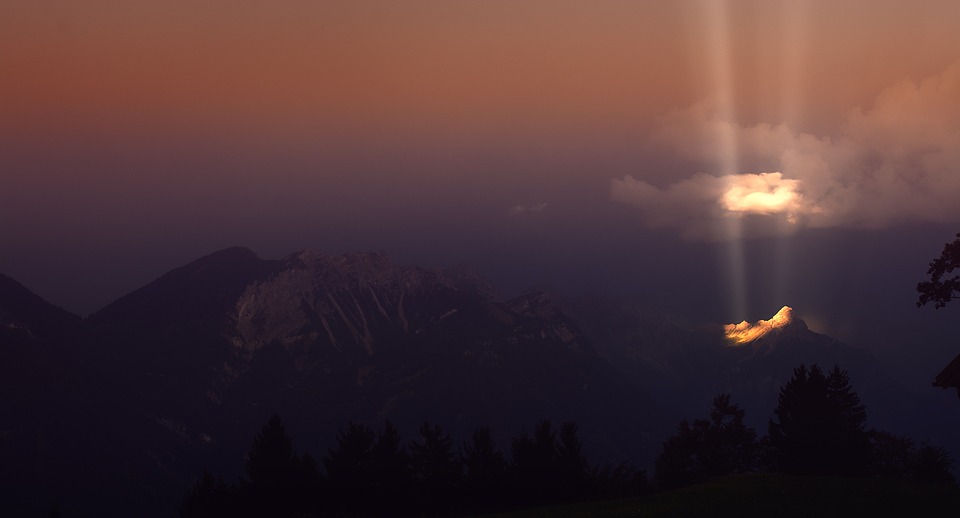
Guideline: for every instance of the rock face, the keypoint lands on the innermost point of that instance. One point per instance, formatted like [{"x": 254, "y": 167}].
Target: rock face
[
  {"x": 207, "y": 352},
  {"x": 745, "y": 332}
]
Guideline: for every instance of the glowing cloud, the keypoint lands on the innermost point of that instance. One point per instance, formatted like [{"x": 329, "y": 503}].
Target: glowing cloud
[
  {"x": 764, "y": 193},
  {"x": 894, "y": 162},
  {"x": 694, "y": 203}
]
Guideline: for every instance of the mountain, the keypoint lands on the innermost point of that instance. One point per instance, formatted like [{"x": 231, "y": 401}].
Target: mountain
[
  {"x": 180, "y": 374},
  {"x": 26, "y": 318},
  {"x": 196, "y": 361},
  {"x": 690, "y": 364}
]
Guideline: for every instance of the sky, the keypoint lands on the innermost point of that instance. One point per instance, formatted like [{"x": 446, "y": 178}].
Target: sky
[{"x": 713, "y": 159}]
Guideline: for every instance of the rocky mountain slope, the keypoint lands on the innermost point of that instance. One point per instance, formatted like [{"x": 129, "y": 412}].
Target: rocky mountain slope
[{"x": 180, "y": 374}]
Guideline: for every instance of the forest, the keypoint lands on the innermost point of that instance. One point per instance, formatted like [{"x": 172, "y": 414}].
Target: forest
[{"x": 818, "y": 429}]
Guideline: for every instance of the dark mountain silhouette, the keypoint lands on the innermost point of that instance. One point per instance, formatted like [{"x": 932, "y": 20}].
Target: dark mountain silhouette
[
  {"x": 177, "y": 376},
  {"x": 26, "y": 317},
  {"x": 689, "y": 364}
]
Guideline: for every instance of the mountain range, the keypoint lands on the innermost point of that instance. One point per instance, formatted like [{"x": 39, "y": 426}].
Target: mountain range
[{"x": 123, "y": 409}]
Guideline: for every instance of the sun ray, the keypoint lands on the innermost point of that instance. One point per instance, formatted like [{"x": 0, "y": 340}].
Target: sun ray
[
  {"x": 721, "y": 67},
  {"x": 792, "y": 19}
]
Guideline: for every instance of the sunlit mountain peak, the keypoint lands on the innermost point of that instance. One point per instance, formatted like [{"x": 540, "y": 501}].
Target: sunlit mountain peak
[{"x": 746, "y": 332}]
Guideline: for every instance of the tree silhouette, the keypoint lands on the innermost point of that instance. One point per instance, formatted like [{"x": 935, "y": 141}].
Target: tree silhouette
[
  {"x": 572, "y": 469},
  {"x": 208, "y": 498},
  {"x": 390, "y": 470},
  {"x": 819, "y": 426},
  {"x": 939, "y": 289},
  {"x": 532, "y": 466},
  {"x": 549, "y": 466},
  {"x": 484, "y": 470},
  {"x": 892, "y": 456},
  {"x": 349, "y": 466},
  {"x": 435, "y": 469},
  {"x": 711, "y": 447},
  {"x": 278, "y": 482},
  {"x": 932, "y": 465}
]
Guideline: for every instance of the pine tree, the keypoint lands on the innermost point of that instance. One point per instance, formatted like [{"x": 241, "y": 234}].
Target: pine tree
[
  {"x": 278, "y": 481},
  {"x": 533, "y": 464},
  {"x": 208, "y": 498},
  {"x": 572, "y": 468},
  {"x": 390, "y": 471},
  {"x": 436, "y": 472},
  {"x": 484, "y": 469},
  {"x": 819, "y": 426},
  {"x": 349, "y": 467}
]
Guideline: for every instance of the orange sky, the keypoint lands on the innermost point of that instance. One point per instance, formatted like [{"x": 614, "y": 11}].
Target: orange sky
[
  {"x": 160, "y": 131},
  {"x": 471, "y": 67}
]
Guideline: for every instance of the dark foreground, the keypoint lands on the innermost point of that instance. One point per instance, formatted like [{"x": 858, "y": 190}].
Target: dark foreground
[{"x": 764, "y": 495}]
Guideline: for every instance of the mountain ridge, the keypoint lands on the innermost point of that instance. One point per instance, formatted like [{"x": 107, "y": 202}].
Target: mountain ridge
[{"x": 184, "y": 370}]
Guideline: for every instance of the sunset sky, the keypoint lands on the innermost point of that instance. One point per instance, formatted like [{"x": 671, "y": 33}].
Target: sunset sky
[{"x": 715, "y": 159}]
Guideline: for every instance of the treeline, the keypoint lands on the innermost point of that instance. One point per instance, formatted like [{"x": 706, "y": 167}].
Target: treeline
[
  {"x": 373, "y": 473},
  {"x": 818, "y": 428}
]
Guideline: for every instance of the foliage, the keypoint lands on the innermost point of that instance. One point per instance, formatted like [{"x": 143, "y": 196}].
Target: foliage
[
  {"x": 549, "y": 466},
  {"x": 484, "y": 467},
  {"x": 435, "y": 470},
  {"x": 819, "y": 431},
  {"x": 208, "y": 498},
  {"x": 933, "y": 466},
  {"x": 819, "y": 425},
  {"x": 708, "y": 448},
  {"x": 279, "y": 482},
  {"x": 940, "y": 289}
]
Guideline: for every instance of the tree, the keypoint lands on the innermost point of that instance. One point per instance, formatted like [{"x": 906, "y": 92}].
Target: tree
[
  {"x": 390, "y": 470},
  {"x": 939, "y": 289},
  {"x": 350, "y": 466},
  {"x": 484, "y": 469},
  {"x": 279, "y": 482},
  {"x": 435, "y": 469},
  {"x": 819, "y": 426},
  {"x": 533, "y": 464},
  {"x": 711, "y": 447},
  {"x": 208, "y": 498},
  {"x": 894, "y": 456},
  {"x": 572, "y": 468},
  {"x": 933, "y": 465}
]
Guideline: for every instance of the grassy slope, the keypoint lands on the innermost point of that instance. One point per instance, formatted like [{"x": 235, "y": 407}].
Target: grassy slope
[{"x": 772, "y": 495}]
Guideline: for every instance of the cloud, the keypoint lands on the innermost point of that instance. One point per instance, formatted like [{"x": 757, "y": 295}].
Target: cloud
[
  {"x": 700, "y": 204},
  {"x": 523, "y": 209},
  {"x": 896, "y": 162}
]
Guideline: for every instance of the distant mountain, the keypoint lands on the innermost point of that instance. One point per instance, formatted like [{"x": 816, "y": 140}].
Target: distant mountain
[
  {"x": 689, "y": 364},
  {"x": 26, "y": 317},
  {"x": 205, "y": 353},
  {"x": 180, "y": 374}
]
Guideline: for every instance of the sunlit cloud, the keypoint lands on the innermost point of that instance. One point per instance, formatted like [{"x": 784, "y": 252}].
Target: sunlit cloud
[
  {"x": 763, "y": 193},
  {"x": 697, "y": 203},
  {"x": 895, "y": 162}
]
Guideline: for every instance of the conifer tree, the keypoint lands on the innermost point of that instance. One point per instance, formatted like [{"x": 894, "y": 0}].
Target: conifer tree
[
  {"x": 436, "y": 471},
  {"x": 819, "y": 426},
  {"x": 484, "y": 466},
  {"x": 278, "y": 481}
]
